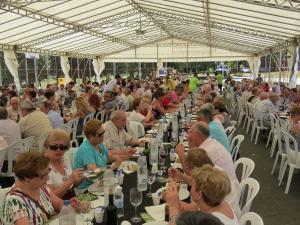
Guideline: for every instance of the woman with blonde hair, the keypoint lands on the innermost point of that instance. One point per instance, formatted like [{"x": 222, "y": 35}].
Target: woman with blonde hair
[
  {"x": 62, "y": 179},
  {"x": 209, "y": 189}
]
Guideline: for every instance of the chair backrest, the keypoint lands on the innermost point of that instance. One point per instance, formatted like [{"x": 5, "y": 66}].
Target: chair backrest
[
  {"x": 233, "y": 122},
  {"x": 291, "y": 148},
  {"x": 3, "y": 193},
  {"x": 103, "y": 115},
  {"x": 73, "y": 138},
  {"x": 71, "y": 153},
  {"x": 68, "y": 126},
  {"x": 251, "y": 218},
  {"x": 247, "y": 167},
  {"x": 248, "y": 189},
  {"x": 230, "y": 132},
  {"x": 235, "y": 146},
  {"x": 41, "y": 141},
  {"x": 137, "y": 128},
  {"x": 3, "y": 156},
  {"x": 274, "y": 122}
]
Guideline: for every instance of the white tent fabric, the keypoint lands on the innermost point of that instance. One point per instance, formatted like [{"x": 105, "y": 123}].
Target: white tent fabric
[
  {"x": 293, "y": 58},
  {"x": 65, "y": 66},
  {"x": 254, "y": 65},
  {"x": 99, "y": 66},
  {"x": 12, "y": 64}
]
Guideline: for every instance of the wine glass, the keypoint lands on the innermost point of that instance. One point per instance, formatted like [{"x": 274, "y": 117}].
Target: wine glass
[
  {"x": 151, "y": 180},
  {"x": 135, "y": 200},
  {"x": 86, "y": 212}
]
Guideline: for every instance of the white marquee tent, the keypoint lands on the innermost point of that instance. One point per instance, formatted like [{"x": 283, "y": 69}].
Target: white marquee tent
[{"x": 151, "y": 30}]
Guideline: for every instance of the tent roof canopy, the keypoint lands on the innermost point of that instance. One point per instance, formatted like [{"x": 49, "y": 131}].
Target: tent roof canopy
[{"x": 149, "y": 30}]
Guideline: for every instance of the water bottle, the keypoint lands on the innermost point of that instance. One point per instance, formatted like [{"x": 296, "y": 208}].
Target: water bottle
[
  {"x": 162, "y": 155},
  {"x": 119, "y": 201},
  {"x": 142, "y": 174},
  {"x": 67, "y": 214},
  {"x": 109, "y": 181},
  {"x": 154, "y": 152}
]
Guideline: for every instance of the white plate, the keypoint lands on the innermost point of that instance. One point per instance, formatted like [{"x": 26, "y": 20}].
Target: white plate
[
  {"x": 128, "y": 166},
  {"x": 183, "y": 193},
  {"x": 152, "y": 131},
  {"x": 96, "y": 189},
  {"x": 156, "y": 223}
]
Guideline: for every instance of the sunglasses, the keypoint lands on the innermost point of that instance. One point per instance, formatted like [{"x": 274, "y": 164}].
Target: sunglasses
[
  {"x": 100, "y": 135},
  {"x": 56, "y": 147}
]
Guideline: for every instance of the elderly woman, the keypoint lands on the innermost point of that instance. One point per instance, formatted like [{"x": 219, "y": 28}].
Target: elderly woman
[
  {"x": 136, "y": 115},
  {"x": 30, "y": 201},
  {"x": 209, "y": 189},
  {"x": 222, "y": 114},
  {"x": 93, "y": 154},
  {"x": 62, "y": 179},
  {"x": 83, "y": 109},
  {"x": 50, "y": 95}
]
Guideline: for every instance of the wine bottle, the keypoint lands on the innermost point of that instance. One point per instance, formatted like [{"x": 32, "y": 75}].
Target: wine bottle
[
  {"x": 111, "y": 212},
  {"x": 166, "y": 213},
  {"x": 146, "y": 153}
]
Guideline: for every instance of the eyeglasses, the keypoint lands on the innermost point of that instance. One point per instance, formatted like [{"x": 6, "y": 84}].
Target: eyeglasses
[
  {"x": 100, "y": 135},
  {"x": 56, "y": 147},
  {"x": 43, "y": 176}
]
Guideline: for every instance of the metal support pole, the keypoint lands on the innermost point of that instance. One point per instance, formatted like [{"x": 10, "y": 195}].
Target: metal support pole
[
  {"x": 26, "y": 70},
  {"x": 114, "y": 68},
  {"x": 78, "y": 73},
  {"x": 35, "y": 71},
  {"x": 0, "y": 73},
  {"x": 270, "y": 69},
  {"x": 47, "y": 64},
  {"x": 187, "y": 58},
  {"x": 140, "y": 69},
  {"x": 280, "y": 65},
  {"x": 90, "y": 71}
]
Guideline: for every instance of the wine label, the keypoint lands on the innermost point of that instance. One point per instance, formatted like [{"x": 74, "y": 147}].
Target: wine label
[{"x": 160, "y": 172}]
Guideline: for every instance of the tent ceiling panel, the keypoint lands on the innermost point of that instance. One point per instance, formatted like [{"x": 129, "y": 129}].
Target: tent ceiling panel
[{"x": 116, "y": 28}]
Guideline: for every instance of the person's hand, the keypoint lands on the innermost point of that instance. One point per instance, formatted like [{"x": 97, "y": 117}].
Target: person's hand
[
  {"x": 180, "y": 150},
  {"x": 77, "y": 176},
  {"x": 172, "y": 195},
  {"x": 116, "y": 164},
  {"x": 141, "y": 143},
  {"x": 130, "y": 151},
  {"x": 175, "y": 174},
  {"x": 75, "y": 203}
]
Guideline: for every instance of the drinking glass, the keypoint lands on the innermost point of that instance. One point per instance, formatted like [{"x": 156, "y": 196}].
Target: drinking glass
[
  {"x": 135, "y": 200},
  {"x": 86, "y": 212},
  {"x": 151, "y": 180}
]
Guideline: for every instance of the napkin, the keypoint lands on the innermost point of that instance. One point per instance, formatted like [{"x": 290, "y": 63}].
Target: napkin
[{"x": 157, "y": 212}]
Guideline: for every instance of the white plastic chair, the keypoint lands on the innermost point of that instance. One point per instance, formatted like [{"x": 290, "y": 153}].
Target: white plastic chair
[
  {"x": 252, "y": 218},
  {"x": 41, "y": 141},
  {"x": 3, "y": 156},
  {"x": 233, "y": 122},
  {"x": 248, "y": 189},
  {"x": 292, "y": 159},
  {"x": 68, "y": 126},
  {"x": 235, "y": 146},
  {"x": 73, "y": 139},
  {"x": 230, "y": 132},
  {"x": 248, "y": 166},
  {"x": 13, "y": 151},
  {"x": 137, "y": 129},
  {"x": 257, "y": 125},
  {"x": 251, "y": 112},
  {"x": 103, "y": 115},
  {"x": 71, "y": 153},
  {"x": 3, "y": 193}
]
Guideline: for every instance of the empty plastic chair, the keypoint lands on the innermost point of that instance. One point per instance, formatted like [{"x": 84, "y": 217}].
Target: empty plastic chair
[
  {"x": 248, "y": 166},
  {"x": 248, "y": 189},
  {"x": 251, "y": 218},
  {"x": 235, "y": 146}
]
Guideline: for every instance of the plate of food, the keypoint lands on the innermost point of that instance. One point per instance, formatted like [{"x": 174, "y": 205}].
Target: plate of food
[
  {"x": 97, "y": 188},
  {"x": 183, "y": 193},
  {"x": 87, "y": 197},
  {"x": 128, "y": 166},
  {"x": 94, "y": 175}
]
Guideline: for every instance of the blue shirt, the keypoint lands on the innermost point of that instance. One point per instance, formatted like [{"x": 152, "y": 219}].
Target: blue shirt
[
  {"x": 217, "y": 132},
  {"x": 56, "y": 120},
  {"x": 87, "y": 154}
]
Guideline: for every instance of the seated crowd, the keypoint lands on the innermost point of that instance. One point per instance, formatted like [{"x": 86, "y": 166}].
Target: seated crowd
[{"x": 48, "y": 177}]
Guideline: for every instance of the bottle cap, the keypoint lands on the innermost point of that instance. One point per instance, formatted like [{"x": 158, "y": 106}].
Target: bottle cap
[{"x": 66, "y": 202}]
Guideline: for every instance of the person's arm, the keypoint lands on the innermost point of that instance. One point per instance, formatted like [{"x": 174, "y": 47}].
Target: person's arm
[
  {"x": 149, "y": 115},
  {"x": 181, "y": 154},
  {"x": 22, "y": 221},
  {"x": 56, "y": 202},
  {"x": 159, "y": 108}
]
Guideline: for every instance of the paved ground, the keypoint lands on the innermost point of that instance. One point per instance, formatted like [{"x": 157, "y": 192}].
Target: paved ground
[{"x": 275, "y": 207}]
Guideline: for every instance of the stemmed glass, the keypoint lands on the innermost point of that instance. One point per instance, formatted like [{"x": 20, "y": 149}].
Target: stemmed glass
[
  {"x": 151, "y": 180},
  {"x": 135, "y": 200},
  {"x": 86, "y": 212}
]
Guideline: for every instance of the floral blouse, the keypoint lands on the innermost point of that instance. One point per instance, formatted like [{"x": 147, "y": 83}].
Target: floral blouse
[{"x": 17, "y": 205}]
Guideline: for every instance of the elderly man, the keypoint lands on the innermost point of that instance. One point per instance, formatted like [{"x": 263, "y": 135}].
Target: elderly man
[
  {"x": 216, "y": 129},
  {"x": 110, "y": 100},
  {"x": 9, "y": 129},
  {"x": 34, "y": 123},
  {"x": 268, "y": 108},
  {"x": 198, "y": 136},
  {"x": 115, "y": 136},
  {"x": 14, "y": 110},
  {"x": 56, "y": 120}
]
